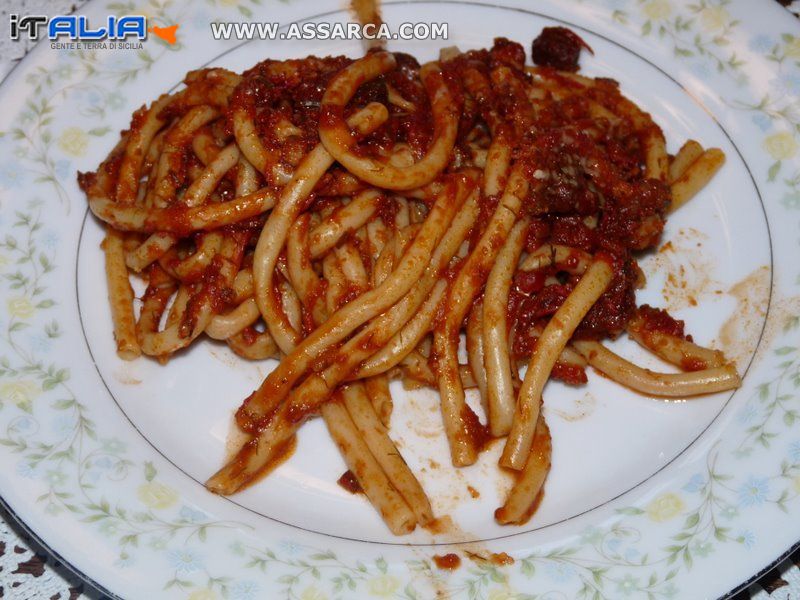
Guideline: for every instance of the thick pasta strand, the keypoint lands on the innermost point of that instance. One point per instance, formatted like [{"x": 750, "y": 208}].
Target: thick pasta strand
[
  {"x": 180, "y": 220},
  {"x": 167, "y": 176},
  {"x": 273, "y": 235},
  {"x": 256, "y": 453},
  {"x": 688, "y": 153},
  {"x": 337, "y": 138},
  {"x": 193, "y": 318},
  {"x": 676, "y": 350},
  {"x": 455, "y": 412},
  {"x": 521, "y": 500},
  {"x": 305, "y": 280},
  {"x": 140, "y": 136},
  {"x": 153, "y": 248},
  {"x": 476, "y": 350},
  {"x": 388, "y": 457},
  {"x": 405, "y": 340},
  {"x": 253, "y": 345},
  {"x": 120, "y": 295},
  {"x": 412, "y": 265},
  {"x": 192, "y": 266},
  {"x": 370, "y": 441},
  {"x": 377, "y": 388},
  {"x": 552, "y": 341},
  {"x": 345, "y": 219},
  {"x": 390, "y": 504},
  {"x": 223, "y": 326},
  {"x": 500, "y": 392},
  {"x": 696, "y": 176},
  {"x": 416, "y": 367},
  {"x": 671, "y": 385}
]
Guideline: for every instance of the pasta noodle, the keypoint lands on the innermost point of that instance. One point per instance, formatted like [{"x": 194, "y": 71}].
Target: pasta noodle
[
  {"x": 120, "y": 295},
  {"x": 696, "y": 176},
  {"x": 355, "y": 219},
  {"x": 501, "y": 396},
  {"x": 548, "y": 347},
  {"x": 521, "y": 500},
  {"x": 677, "y": 385}
]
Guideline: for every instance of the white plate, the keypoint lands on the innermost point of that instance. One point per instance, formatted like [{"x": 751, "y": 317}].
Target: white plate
[{"x": 103, "y": 460}]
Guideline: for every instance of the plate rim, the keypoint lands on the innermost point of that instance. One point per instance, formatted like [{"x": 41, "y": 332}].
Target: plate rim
[{"x": 87, "y": 217}]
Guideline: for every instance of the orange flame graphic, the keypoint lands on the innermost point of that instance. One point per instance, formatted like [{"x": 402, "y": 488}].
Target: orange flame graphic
[{"x": 165, "y": 33}]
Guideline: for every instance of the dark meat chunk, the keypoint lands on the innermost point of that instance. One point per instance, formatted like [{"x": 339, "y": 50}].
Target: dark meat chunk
[{"x": 558, "y": 47}]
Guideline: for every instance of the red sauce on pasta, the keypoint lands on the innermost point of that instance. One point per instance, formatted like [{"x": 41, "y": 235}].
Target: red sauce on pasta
[
  {"x": 588, "y": 173},
  {"x": 569, "y": 373},
  {"x": 588, "y": 186},
  {"x": 657, "y": 319},
  {"x": 477, "y": 431}
]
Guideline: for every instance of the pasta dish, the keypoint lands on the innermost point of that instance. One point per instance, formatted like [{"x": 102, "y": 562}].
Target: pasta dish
[{"x": 357, "y": 219}]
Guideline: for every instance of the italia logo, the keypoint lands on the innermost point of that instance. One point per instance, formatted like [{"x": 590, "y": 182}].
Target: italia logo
[{"x": 76, "y": 28}]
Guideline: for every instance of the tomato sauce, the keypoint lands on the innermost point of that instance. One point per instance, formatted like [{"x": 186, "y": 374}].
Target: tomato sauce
[
  {"x": 447, "y": 562},
  {"x": 588, "y": 188},
  {"x": 349, "y": 482},
  {"x": 657, "y": 319}
]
